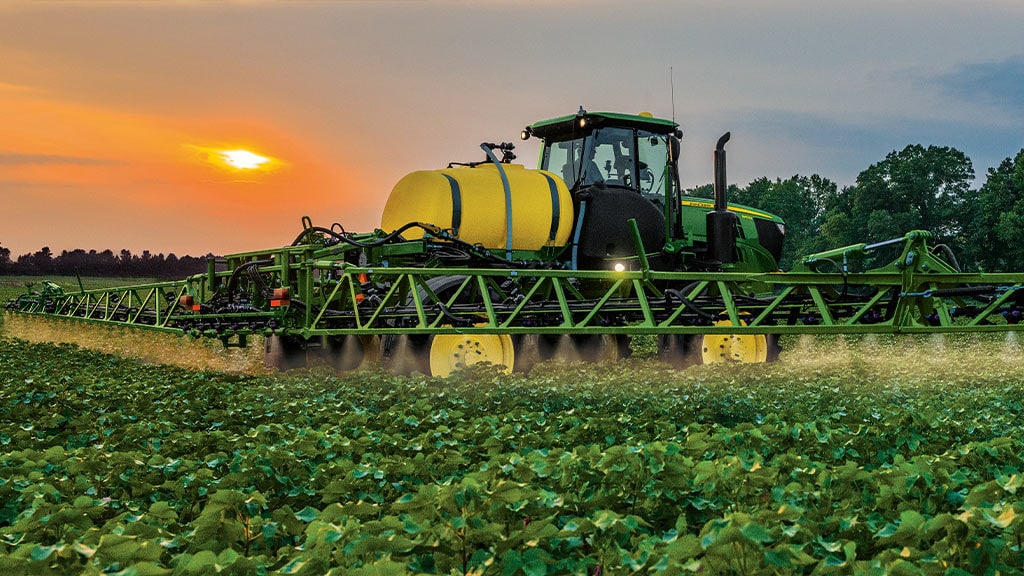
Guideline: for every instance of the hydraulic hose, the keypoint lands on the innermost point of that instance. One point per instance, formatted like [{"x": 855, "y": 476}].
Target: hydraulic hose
[
  {"x": 467, "y": 248},
  {"x": 342, "y": 237},
  {"x": 233, "y": 279},
  {"x": 950, "y": 257},
  {"x": 678, "y": 295}
]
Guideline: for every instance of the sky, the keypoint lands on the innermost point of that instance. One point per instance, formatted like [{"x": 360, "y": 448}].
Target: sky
[{"x": 114, "y": 115}]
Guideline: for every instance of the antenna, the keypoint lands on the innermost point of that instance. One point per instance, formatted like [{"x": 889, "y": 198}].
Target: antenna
[{"x": 672, "y": 85}]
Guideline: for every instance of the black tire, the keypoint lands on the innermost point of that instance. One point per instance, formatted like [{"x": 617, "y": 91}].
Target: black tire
[
  {"x": 405, "y": 353},
  {"x": 284, "y": 353},
  {"x": 774, "y": 348},
  {"x": 679, "y": 350},
  {"x": 352, "y": 353}
]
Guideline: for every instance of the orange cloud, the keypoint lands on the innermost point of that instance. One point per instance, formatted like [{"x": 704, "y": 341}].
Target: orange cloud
[{"x": 91, "y": 168}]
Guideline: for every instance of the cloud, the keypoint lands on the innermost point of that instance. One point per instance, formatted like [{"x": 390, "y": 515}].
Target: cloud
[
  {"x": 994, "y": 82},
  {"x": 17, "y": 159}
]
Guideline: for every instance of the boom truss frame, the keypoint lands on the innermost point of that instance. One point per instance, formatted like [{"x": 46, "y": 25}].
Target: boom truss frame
[{"x": 310, "y": 291}]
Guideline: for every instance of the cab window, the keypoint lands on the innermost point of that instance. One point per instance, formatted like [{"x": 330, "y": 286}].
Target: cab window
[{"x": 653, "y": 155}]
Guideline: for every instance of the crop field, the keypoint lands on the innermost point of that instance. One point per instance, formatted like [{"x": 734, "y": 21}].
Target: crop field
[
  {"x": 867, "y": 456},
  {"x": 12, "y": 286}
]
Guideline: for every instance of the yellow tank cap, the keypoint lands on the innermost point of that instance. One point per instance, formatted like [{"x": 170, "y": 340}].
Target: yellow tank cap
[{"x": 646, "y": 115}]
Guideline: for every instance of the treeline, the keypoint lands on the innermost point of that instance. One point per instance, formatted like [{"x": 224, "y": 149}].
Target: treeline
[
  {"x": 916, "y": 188},
  {"x": 105, "y": 263}
]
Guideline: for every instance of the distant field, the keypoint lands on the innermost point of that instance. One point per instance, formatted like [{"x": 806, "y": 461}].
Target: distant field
[{"x": 12, "y": 286}]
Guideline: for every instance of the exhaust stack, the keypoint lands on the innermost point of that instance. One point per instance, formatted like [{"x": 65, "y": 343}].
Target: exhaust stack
[{"x": 721, "y": 224}]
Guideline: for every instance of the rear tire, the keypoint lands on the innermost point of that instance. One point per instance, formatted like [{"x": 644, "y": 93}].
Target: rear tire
[
  {"x": 284, "y": 353},
  {"x": 405, "y": 354},
  {"x": 679, "y": 350},
  {"x": 353, "y": 353}
]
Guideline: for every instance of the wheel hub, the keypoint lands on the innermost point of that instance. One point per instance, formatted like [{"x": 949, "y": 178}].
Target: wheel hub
[
  {"x": 744, "y": 348},
  {"x": 451, "y": 352}
]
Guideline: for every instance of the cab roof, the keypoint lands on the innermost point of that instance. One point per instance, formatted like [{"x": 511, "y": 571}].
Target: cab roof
[{"x": 567, "y": 125}]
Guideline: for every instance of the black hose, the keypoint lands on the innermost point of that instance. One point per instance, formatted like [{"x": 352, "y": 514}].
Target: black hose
[
  {"x": 846, "y": 281},
  {"x": 306, "y": 232},
  {"x": 455, "y": 320},
  {"x": 379, "y": 242},
  {"x": 950, "y": 257},
  {"x": 467, "y": 249},
  {"x": 678, "y": 294},
  {"x": 233, "y": 280}
]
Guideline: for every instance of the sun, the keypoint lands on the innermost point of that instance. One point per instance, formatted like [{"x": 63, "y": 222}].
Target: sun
[
  {"x": 243, "y": 159},
  {"x": 244, "y": 164}
]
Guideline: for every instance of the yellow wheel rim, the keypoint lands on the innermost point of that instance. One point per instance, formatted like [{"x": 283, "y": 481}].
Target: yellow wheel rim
[
  {"x": 745, "y": 348},
  {"x": 451, "y": 352}
]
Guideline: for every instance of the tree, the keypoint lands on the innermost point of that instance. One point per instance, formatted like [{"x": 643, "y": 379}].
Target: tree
[
  {"x": 42, "y": 261},
  {"x": 997, "y": 233},
  {"x": 801, "y": 202},
  {"x": 916, "y": 188},
  {"x": 5, "y": 260}
]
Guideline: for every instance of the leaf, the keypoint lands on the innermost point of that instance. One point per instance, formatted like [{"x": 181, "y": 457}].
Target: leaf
[
  {"x": 605, "y": 519},
  {"x": 144, "y": 569},
  {"x": 227, "y": 558},
  {"x": 162, "y": 511},
  {"x": 534, "y": 563},
  {"x": 199, "y": 562},
  {"x": 379, "y": 568},
  {"x": 685, "y": 547},
  {"x": 40, "y": 553},
  {"x": 293, "y": 567},
  {"x": 756, "y": 533},
  {"x": 307, "y": 514},
  {"x": 1004, "y": 519},
  {"x": 117, "y": 548}
]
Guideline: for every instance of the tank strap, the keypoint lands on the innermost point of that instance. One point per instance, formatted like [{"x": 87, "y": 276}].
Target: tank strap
[
  {"x": 576, "y": 235},
  {"x": 555, "y": 211},
  {"x": 456, "y": 204}
]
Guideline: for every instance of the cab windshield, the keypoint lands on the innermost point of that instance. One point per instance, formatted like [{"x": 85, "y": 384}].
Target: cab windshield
[{"x": 616, "y": 157}]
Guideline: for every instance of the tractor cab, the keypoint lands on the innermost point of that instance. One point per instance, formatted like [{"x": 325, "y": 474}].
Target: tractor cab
[
  {"x": 618, "y": 167},
  {"x": 623, "y": 166},
  {"x": 624, "y": 151}
]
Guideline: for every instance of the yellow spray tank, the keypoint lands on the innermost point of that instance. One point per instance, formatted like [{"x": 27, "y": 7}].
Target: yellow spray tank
[{"x": 471, "y": 202}]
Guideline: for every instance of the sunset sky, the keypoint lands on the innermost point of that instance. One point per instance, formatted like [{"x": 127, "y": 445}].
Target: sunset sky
[{"x": 114, "y": 116}]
